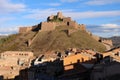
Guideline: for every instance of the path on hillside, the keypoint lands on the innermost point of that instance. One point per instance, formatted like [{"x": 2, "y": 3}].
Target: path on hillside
[{"x": 107, "y": 46}]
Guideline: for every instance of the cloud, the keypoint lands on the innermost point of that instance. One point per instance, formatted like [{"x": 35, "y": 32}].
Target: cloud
[
  {"x": 6, "y": 6},
  {"x": 9, "y": 30},
  {"x": 101, "y": 2},
  {"x": 110, "y": 26},
  {"x": 43, "y": 13},
  {"x": 54, "y": 4},
  {"x": 105, "y": 30},
  {"x": 93, "y": 14},
  {"x": 69, "y": 1}
]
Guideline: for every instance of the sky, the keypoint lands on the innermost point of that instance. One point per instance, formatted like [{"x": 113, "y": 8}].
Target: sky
[{"x": 101, "y": 17}]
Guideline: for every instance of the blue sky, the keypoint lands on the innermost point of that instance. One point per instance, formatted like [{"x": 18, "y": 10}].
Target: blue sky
[{"x": 102, "y": 17}]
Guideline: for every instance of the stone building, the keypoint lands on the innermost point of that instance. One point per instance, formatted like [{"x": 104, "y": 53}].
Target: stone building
[
  {"x": 108, "y": 71},
  {"x": 12, "y": 61},
  {"x": 77, "y": 58}
]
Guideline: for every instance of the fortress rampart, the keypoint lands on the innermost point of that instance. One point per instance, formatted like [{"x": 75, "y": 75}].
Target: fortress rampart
[{"x": 24, "y": 29}]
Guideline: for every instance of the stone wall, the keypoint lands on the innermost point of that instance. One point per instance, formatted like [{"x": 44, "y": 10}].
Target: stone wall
[
  {"x": 12, "y": 61},
  {"x": 24, "y": 29},
  {"x": 67, "y": 19},
  {"x": 47, "y": 26},
  {"x": 16, "y": 54},
  {"x": 72, "y": 59},
  {"x": 59, "y": 15},
  {"x": 73, "y": 24},
  {"x": 82, "y": 27},
  {"x": 107, "y": 41}
]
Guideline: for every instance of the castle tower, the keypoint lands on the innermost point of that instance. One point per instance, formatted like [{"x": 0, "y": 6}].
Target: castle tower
[{"x": 59, "y": 15}]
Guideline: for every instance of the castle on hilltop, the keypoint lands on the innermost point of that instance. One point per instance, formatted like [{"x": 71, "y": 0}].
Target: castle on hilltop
[
  {"x": 59, "y": 20},
  {"x": 52, "y": 22}
]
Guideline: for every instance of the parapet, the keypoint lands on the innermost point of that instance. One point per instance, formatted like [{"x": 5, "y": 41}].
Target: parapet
[
  {"x": 82, "y": 27},
  {"x": 24, "y": 29},
  {"x": 67, "y": 19}
]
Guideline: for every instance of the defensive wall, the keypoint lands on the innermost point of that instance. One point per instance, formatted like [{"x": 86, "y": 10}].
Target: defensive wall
[
  {"x": 107, "y": 41},
  {"x": 24, "y": 29},
  {"x": 47, "y": 26}
]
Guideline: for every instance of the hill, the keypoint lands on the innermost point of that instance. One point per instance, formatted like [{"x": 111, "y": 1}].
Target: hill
[
  {"x": 58, "y": 33},
  {"x": 57, "y": 39}
]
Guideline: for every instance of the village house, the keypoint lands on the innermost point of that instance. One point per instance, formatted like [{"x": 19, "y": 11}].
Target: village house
[
  {"x": 78, "y": 62},
  {"x": 12, "y": 61},
  {"x": 114, "y": 53}
]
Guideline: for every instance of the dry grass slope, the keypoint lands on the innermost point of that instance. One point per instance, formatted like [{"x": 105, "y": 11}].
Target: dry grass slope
[{"x": 51, "y": 40}]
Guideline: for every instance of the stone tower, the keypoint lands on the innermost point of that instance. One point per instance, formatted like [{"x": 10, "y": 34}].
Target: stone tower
[{"x": 59, "y": 15}]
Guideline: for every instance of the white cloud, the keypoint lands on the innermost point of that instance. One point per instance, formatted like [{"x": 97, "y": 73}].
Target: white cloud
[
  {"x": 101, "y": 2},
  {"x": 116, "y": 34},
  {"x": 6, "y": 6},
  {"x": 69, "y": 1},
  {"x": 110, "y": 26},
  {"x": 43, "y": 14},
  {"x": 105, "y": 30},
  {"x": 93, "y": 14},
  {"x": 9, "y": 30}
]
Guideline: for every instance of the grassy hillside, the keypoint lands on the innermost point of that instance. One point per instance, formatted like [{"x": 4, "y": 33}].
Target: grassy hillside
[{"x": 51, "y": 40}]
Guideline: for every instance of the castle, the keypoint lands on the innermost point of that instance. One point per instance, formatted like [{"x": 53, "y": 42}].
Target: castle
[
  {"x": 52, "y": 22},
  {"x": 59, "y": 20}
]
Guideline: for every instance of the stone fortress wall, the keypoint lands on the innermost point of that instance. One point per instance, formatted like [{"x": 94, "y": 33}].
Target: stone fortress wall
[
  {"x": 47, "y": 26},
  {"x": 24, "y": 29}
]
